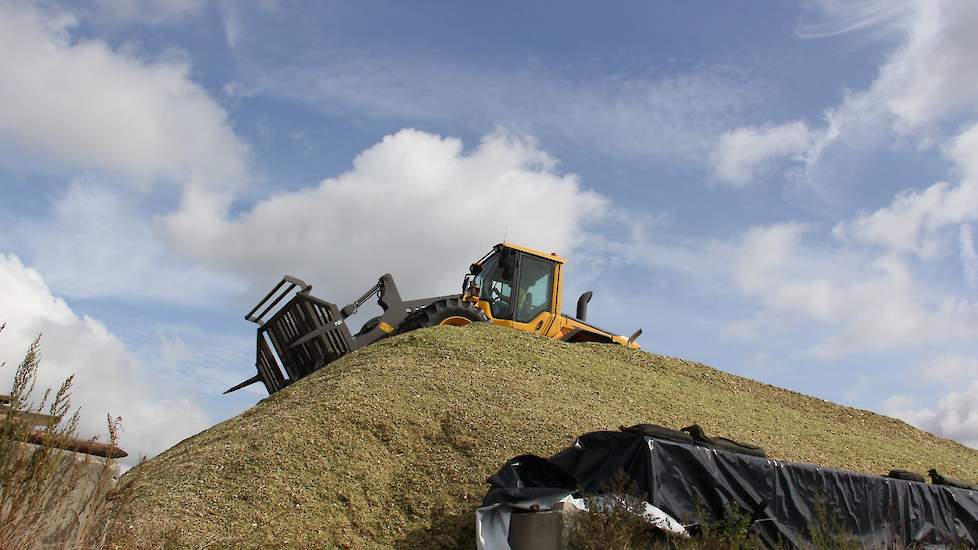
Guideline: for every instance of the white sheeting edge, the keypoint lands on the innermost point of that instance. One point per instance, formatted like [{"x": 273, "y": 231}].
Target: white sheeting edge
[
  {"x": 655, "y": 516},
  {"x": 492, "y": 522}
]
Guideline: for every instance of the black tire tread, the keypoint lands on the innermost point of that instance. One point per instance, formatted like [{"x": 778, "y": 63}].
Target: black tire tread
[{"x": 438, "y": 311}]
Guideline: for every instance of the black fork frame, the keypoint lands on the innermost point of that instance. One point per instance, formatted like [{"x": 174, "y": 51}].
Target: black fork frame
[{"x": 308, "y": 333}]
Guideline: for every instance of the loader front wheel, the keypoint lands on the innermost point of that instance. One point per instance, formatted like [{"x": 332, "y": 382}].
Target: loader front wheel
[
  {"x": 456, "y": 321},
  {"x": 450, "y": 311}
]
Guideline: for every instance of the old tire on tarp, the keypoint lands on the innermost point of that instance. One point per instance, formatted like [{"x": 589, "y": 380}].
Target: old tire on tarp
[
  {"x": 700, "y": 438},
  {"x": 906, "y": 475},
  {"x": 658, "y": 432}
]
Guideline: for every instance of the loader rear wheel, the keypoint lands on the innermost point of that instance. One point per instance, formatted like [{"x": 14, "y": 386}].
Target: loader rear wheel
[{"x": 450, "y": 312}]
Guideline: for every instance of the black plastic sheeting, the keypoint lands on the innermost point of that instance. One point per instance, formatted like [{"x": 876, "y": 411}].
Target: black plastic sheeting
[
  {"x": 689, "y": 482},
  {"x": 527, "y": 477}
]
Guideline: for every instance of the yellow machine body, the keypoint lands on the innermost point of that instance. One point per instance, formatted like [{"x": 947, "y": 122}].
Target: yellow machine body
[{"x": 531, "y": 298}]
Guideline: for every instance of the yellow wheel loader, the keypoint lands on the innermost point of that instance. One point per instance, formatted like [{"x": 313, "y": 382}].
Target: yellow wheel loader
[{"x": 512, "y": 286}]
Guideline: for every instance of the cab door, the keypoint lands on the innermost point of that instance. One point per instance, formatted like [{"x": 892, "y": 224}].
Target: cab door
[
  {"x": 535, "y": 294},
  {"x": 496, "y": 283}
]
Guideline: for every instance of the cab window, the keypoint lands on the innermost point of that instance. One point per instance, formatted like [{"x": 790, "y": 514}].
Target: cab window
[
  {"x": 494, "y": 289},
  {"x": 535, "y": 287}
]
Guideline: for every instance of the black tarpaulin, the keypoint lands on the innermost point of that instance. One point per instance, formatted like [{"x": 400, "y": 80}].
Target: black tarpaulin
[
  {"x": 527, "y": 477},
  {"x": 784, "y": 499}
]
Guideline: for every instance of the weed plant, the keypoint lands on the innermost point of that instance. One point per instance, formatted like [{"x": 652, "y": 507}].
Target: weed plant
[
  {"x": 49, "y": 497},
  {"x": 615, "y": 520}
]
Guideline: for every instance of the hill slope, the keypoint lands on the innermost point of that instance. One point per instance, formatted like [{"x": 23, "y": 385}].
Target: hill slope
[{"x": 391, "y": 445}]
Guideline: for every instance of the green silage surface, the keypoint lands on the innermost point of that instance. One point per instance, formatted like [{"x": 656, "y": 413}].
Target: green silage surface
[{"x": 391, "y": 445}]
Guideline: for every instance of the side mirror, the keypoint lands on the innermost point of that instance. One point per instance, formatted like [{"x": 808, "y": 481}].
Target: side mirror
[
  {"x": 475, "y": 269},
  {"x": 508, "y": 262}
]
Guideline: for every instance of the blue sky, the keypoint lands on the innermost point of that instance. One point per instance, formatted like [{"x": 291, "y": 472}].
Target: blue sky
[{"x": 785, "y": 191}]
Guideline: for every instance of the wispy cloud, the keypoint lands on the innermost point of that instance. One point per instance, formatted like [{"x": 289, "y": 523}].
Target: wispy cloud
[
  {"x": 671, "y": 116},
  {"x": 145, "y": 11},
  {"x": 969, "y": 259},
  {"x": 923, "y": 82},
  {"x": 837, "y": 17},
  {"x": 741, "y": 153},
  {"x": 97, "y": 243}
]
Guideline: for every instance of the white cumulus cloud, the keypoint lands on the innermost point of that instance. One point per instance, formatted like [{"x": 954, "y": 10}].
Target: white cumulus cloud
[
  {"x": 78, "y": 103},
  {"x": 415, "y": 204},
  {"x": 109, "y": 380},
  {"x": 949, "y": 369},
  {"x": 918, "y": 221},
  {"x": 872, "y": 303},
  {"x": 955, "y": 416}
]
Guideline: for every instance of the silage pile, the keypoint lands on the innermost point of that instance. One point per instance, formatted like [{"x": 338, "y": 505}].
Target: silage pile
[{"x": 390, "y": 446}]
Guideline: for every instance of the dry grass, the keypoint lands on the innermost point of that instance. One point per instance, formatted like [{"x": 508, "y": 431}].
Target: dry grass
[
  {"x": 391, "y": 445},
  {"x": 43, "y": 488}
]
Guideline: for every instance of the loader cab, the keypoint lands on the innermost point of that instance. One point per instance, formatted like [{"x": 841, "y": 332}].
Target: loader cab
[{"x": 519, "y": 287}]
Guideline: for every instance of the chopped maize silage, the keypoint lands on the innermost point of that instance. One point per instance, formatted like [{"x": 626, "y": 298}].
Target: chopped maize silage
[{"x": 391, "y": 445}]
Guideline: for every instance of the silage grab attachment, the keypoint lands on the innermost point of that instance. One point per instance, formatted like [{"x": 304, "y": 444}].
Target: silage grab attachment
[{"x": 306, "y": 333}]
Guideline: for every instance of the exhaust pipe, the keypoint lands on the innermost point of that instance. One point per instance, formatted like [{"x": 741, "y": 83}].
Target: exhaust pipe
[
  {"x": 634, "y": 336},
  {"x": 582, "y": 305}
]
